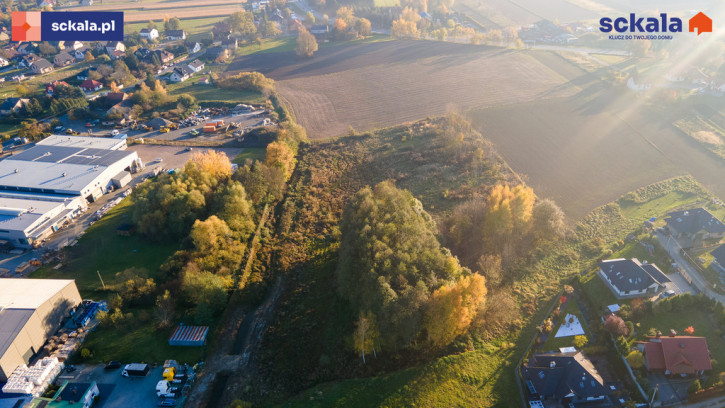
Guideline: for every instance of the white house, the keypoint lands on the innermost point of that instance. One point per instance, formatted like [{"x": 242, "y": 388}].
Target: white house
[
  {"x": 637, "y": 87},
  {"x": 181, "y": 74},
  {"x": 149, "y": 34},
  {"x": 4, "y": 62},
  {"x": 631, "y": 278},
  {"x": 176, "y": 34},
  {"x": 196, "y": 66}
]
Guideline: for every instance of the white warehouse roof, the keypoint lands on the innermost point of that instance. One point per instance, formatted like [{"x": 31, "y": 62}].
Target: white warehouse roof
[
  {"x": 83, "y": 142},
  {"x": 29, "y": 293}
]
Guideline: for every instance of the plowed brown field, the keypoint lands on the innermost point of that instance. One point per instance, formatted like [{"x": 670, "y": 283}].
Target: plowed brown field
[{"x": 375, "y": 85}]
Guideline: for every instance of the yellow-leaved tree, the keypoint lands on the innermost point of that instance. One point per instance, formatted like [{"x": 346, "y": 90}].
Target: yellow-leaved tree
[{"x": 451, "y": 308}]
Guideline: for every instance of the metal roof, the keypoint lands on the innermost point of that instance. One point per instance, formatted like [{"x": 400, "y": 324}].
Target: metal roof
[
  {"x": 693, "y": 221},
  {"x": 629, "y": 274},
  {"x": 17, "y": 214},
  {"x": 186, "y": 335},
  {"x": 82, "y": 142},
  {"x": 70, "y": 155}
]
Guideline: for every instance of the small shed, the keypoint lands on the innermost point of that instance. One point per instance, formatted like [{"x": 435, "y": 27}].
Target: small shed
[{"x": 189, "y": 336}]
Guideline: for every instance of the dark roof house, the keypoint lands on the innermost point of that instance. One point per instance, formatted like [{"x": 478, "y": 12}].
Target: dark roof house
[
  {"x": 631, "y": 278},
  {"x": 677, "y": 355},
  {"x": 718, "y": 255},
  {"x": 693, "y": 226},
  {"x": 565, "y": 378}
]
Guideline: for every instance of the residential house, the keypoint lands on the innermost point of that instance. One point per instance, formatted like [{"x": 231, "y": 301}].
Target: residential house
[
  {"x": 11, "y": 51},
  {"x": 101, "y": 45},
  {"x": 27, "y": 60},
  {"x": 63, "y": 59},
  {"x": 193, "y": 47},
  {"x": 80, "y": 53},
  {"x": 164, "y": 56},
  {"x": 12, "y": 105},
  {"x": 217, "y": 53},
  {"x": 677, "y": 355},
  {"x": 142, "y": 53},
  {"x": 46, "y": 3},
  {"x": 204, "y": 81},
  {"x": 175, "y": 34},
  {"x": 565, "y": 378},
  {"x": 75, "y": 45},
  {"x": 692, "y": 227},
  {"x": 41, "y": 66},
  {"x": 112, "y": 46},
  {"x": 149, "y": 33},
  {"x": 4, "y": 62},
  {"x": 632, "y": 278},
  {"x": 718, "y": 255},
  {"x": 181, "y": 74},
  {"x": 117, "y": 54},
  {"x": 196, "y": 65},
  {"x": 636, "y": 84},
  {"x": 50, "y": 87},
  {"x": 26, "y": 48},
  {"x": 90, "y": 85},
  {"x": 86, "y": 2},
  {"x": 116, "y": 97},
  {"x": 4, "y": 36}
]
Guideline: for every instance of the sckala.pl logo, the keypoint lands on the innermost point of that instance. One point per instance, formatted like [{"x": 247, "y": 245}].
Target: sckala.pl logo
[{"x": 663, "y": 24}]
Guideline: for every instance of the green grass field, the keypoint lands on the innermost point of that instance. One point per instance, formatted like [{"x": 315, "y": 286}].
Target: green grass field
[
  {"x": 100, "y": 249},
  {"x": 210, "y": 93},
  {"x": 250, "y": 153},
  {"x": 143, "y": 343},
  {"x": 193, "y": 26}
]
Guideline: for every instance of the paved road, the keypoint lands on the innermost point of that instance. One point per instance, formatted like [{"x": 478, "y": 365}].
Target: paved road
[{"x": 673, "y": 248}]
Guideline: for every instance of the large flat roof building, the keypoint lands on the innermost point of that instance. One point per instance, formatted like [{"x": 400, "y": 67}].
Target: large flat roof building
[
  {"x": 84, "y": 141},
  {"x": 31, "y": 310},
  {"x": 70, "y": 170}
]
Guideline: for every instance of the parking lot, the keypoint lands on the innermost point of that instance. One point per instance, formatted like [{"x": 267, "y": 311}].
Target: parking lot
[
  {"x": 118, "y": 391},
  {"x": 174, "y": 157}
]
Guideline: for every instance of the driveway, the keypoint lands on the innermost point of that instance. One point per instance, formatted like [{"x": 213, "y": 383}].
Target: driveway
[
  {"x": 673, "y": 248},
  {"x": 668, "y": 392},
  {"x": 118, "y": 391}
]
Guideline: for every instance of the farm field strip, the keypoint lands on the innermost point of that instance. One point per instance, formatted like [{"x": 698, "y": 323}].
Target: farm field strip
[
  {"x": 200, "y": 12},
  {"x": 395, "y": 82},
  {"x": 155, "y": 6}
]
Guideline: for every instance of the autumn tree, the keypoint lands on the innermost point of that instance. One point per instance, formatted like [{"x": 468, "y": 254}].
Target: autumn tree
[
  {"x": 580, "y": 341},
  {"x": 363, "y": 27},
  {"x": 346, "y": 14},
  {"x": 366, "y": 334},
  {"x": 172, "y": 24},
  {"x": 306, "y": 43},
  {"x": 242, "y": 22},
  {"x": 635, "y": 359},
  {"x": 215, "y": 248},
  {"x": 452, "y": 307},
  {"x": 689, "y": 330},
  {"x": 165, "y": 307},
  {"x": 281, "y": 156},
  {"x": 88, "y": 57},
  {"x": 390, "y": 260},
  {"x": 234, "y": 208},
  {"x": 615, "y": 325},
  {"x": 403, "y": 29}
]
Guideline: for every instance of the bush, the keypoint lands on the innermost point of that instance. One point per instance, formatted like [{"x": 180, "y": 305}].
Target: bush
[
  {"x": 694, "y": 387},
  {"x": 85, "y": 353}
]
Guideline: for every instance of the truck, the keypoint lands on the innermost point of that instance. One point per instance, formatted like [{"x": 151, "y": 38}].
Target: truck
[
  {"x": 165, "y": 390},
  {"x": 135, "y": 370}
]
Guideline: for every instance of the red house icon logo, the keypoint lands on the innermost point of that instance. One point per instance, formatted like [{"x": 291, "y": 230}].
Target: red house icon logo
[
  {"x": 26, "y": 25},
  {"x": 701, "y": 22}
]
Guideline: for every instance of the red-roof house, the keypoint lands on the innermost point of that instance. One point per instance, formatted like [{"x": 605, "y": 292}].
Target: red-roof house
[
  {"x": 90, "y": 85},
  {"x": 677, "y": 355},
  {"x": 50, "y": 87}
]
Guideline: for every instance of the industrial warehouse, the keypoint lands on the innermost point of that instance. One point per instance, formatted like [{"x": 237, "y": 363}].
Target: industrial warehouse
[
  {"x": 49, "y": 184},
  {"x": 31, "y": 310}
]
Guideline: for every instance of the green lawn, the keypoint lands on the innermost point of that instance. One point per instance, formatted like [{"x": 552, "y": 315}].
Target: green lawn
[
  {"x": 143, "y": 343},
  {"x": 276, "y": 44},
  {"x": 102, "y": 250},
  {"x": 210, "y": 93},
  {"x": 193, "y": 26},
  {"x": 554, "y": 343},
  {"x": 634, "y": 249},
  {"x": 681, "y": 319},
  {"x": 598, "y": 292},
  {"x": 252, "y": 153}
]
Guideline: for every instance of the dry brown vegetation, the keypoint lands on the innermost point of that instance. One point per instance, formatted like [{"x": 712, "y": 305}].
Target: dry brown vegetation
[
  {"x": 135, "y": 12},
  {"x": 376, "y": 85}
]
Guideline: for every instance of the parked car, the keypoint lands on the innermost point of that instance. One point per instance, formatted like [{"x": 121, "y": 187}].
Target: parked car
[
  {"x": 194, "y": 132},
  {"x": 667, "y": 293},
  {"x": 112, "y": 365}
]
